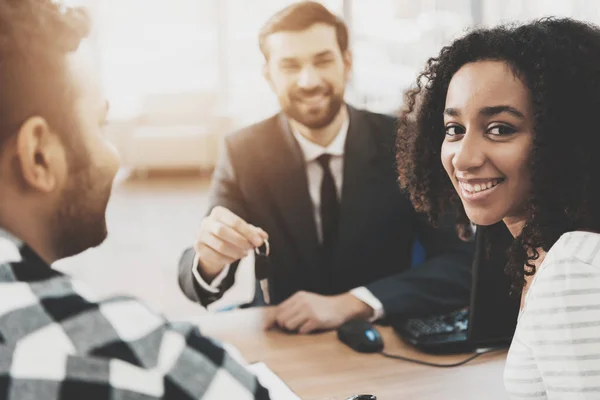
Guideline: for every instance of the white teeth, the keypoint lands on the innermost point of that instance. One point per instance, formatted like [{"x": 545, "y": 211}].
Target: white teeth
[{"x": 479, "y": 187}]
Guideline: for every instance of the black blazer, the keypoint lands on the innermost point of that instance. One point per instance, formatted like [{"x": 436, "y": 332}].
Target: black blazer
[{"x": 261, "y": 176}]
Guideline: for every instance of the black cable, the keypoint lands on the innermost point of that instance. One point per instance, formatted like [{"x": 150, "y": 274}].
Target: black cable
[{"x": 430, "y": 364}]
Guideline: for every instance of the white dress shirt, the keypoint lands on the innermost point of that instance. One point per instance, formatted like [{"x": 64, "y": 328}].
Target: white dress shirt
[{"x": 314, "y": 173}]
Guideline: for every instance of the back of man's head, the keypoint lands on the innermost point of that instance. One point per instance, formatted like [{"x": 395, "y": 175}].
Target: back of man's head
[
  {"x": 35, "y": 37},
  {"x": 56, "y": 168},
  {"x": 301, "y": 16}
]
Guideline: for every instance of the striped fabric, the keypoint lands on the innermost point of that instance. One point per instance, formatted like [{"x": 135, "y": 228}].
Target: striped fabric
[{"x": 555, "y": 353}]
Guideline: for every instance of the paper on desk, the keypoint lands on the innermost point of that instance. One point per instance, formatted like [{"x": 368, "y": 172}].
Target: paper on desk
[{"x": 277, "y": 388}]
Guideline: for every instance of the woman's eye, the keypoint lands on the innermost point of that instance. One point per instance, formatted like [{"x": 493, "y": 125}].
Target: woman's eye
[
  {"x": 500, "y": 130},
  {"x": 453, "y": 130}
]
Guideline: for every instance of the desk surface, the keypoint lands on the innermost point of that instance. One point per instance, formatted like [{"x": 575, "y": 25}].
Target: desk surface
[{"x": 320, "y": 367}]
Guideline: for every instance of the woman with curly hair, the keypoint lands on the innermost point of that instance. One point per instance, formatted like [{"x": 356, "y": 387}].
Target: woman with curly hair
[{"x": 504, "y": 124}]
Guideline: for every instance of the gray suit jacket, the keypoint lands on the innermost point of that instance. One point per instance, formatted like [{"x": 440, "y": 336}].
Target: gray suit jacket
[{"x": 261, "y": 177}]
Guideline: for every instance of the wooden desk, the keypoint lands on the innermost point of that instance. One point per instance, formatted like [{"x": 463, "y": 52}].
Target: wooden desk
[{"x": 321, "y": 367}]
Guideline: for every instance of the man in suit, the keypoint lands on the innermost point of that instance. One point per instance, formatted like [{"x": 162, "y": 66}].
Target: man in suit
[{"x": 319, "y": 181}]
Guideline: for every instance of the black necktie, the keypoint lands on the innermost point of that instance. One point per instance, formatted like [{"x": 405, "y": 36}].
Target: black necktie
[{"x": 330, "y": 211}]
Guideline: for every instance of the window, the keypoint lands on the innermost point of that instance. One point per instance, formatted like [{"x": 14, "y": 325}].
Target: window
[
  {"x": 149, "y": 47},
  {"x": 392, "y": 41},
  {"x": 501, "y": 11}
]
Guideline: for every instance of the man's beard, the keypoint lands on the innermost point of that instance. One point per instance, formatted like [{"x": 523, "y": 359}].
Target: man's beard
[
  {"x": 317, "y": 118},
  {"x": 81, "y": 217}
]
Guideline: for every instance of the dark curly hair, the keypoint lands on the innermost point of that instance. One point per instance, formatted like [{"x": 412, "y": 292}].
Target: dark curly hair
[
  {"x": 558, "y": 60},
  {"x": 35, "y": 37}
]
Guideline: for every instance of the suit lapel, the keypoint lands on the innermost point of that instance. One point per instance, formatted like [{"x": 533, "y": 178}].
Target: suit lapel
[
  {"x": 288, "y": 183},
  {"x": 359, "y": 159}
]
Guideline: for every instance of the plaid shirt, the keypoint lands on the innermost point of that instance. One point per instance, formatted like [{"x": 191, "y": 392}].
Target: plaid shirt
[{"x": 58, "y": 342}]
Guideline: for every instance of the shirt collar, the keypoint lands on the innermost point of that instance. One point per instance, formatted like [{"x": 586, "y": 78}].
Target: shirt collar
[
  {"x": 312, "y": 150},
  {"x": 30, "y": 266},
  {"x": 9, "y": 248}
]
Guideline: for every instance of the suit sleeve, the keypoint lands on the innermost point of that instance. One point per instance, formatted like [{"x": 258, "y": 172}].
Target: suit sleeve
[
  {"x": 441, "y": 283},
  {"x": 225, "y": 192}
]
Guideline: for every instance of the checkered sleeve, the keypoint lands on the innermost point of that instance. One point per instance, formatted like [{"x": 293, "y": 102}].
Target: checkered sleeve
[
  {"x": 56, "y": 343},
  {"x": 190, "y": 367}
]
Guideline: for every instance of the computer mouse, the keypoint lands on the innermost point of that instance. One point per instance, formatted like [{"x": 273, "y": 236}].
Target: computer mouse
[{"x": 361, "y": 336}]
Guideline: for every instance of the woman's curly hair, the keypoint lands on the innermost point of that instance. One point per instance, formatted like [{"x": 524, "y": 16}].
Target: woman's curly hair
[{"x": 558, "y": 60}]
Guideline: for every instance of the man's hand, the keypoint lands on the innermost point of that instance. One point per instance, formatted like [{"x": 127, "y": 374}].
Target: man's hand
[
  {"x": 223, "y": 239},
  {"x": 307, "y": 312}
]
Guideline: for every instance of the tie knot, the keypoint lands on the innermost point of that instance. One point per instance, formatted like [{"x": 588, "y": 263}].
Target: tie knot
[{"x": 323, "y": 159}]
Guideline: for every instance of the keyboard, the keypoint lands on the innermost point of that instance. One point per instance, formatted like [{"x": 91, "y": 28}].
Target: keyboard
[{"x": 455, "y": 322}]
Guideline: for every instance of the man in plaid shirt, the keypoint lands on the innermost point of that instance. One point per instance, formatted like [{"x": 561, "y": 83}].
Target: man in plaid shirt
[{"x": 57, "y": 341}]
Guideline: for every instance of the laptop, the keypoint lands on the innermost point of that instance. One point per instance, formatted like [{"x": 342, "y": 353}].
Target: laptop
[{"x": 491, "y": 317}]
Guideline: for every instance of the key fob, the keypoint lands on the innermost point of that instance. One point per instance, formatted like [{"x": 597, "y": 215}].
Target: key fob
[{"x": 261, "y": 269}]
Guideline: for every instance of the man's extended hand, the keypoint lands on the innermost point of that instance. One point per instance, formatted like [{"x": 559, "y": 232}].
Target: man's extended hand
[
  {"x": 306, "y": 312},
  {"x": 224, "y": 238}
]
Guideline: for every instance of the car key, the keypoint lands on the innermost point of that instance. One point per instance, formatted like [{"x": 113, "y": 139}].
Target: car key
[{"x": 261, "y": 269}]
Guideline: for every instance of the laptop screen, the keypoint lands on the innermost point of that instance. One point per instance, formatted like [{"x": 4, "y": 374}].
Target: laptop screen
[{"x": 493, "y": 313}]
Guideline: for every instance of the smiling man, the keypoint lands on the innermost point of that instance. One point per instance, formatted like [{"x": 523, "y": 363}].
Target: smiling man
[{"x": 318, "y": 180}]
